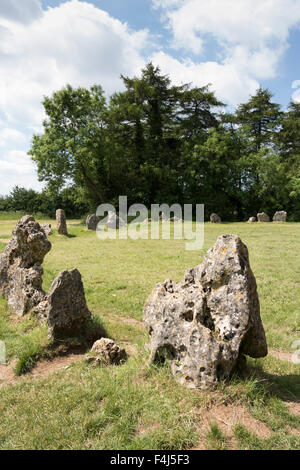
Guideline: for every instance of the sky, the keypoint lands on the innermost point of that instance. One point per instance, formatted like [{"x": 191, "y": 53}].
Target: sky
[{"x": 234, "y": 45}]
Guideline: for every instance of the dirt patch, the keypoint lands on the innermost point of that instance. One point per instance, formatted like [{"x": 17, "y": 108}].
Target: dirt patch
[
  {"x": 42, "y": 369},
  {"x": 281, "y": 355},
  {"x": 127, "y": 321},
  {"x": 226, "y": 417},
  {"x": 294, "y": 407},
  {"x": 130, "y": 348},
  {"x": 7, "y": 375},
  {"x": 45, "y": 367},
  {"x": 146, "y": 429},
  {"x": 293, "y": 431}
]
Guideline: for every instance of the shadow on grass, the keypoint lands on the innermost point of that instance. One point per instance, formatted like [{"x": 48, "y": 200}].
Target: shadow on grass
[
  {"x": 286, "y": 387},
  {"x": 78, "y": 344}
]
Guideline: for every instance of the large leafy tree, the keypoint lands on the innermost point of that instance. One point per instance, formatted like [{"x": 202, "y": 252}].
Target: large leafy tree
[
  {"x": 261, "y": 118},
  {"x": 72, "y": 147},
  {"x": 155, "y": 125}
]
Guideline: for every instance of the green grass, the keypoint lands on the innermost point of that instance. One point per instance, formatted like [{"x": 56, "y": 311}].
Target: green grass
[{"x": 136, "y": 406}]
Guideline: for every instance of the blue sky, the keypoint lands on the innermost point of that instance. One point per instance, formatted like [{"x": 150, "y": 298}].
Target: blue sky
[{"x": 236, "y": 45}]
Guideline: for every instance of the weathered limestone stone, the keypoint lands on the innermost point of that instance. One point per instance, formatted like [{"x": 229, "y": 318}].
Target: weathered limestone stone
[
  {"x": 20, "y": 266},
  {"x": 206, "y": 323},
  {"x": 47, "y": 229},
  {"x": 252, "y": 220},
  {"x": 61, "y": 222},
  {"x": 65, "y": 309},
  {"x": 92, "y": 222},
  {"x": 263, "y": 217},
  {"x": 280, "y": 216},
  {"x": 114, "y": 221},
  {"x": 108, "y": 352},
  {"x": 215, "y": 219}
]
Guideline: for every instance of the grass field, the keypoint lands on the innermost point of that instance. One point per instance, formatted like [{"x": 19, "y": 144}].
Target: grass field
[{"x": 68, "y": 404}]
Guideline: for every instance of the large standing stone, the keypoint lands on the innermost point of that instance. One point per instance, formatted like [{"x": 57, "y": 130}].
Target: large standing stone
[
  {"x": 207, "y": 322},
  {"x": 61, "y": 222},
  {"x": 280, "y": 216},
  {"x": 92, "y": 222},
  {"x": 20, "y": 266},
  {"x": 215, "y": 219},
  {"x": 114, "y": 221},
  {"x": 65, "y": 310},
  {"x": 263, "y": 217}
]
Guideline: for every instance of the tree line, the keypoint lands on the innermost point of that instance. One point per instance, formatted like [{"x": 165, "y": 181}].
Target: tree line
[{"x": 159, "y": 143}]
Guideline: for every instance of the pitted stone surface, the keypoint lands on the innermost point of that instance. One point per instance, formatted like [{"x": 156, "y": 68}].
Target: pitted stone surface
[
  {"x": 107, "y": 351},
  {"x": 20, "y": 266},
  {"x": 207, "y": 322}
]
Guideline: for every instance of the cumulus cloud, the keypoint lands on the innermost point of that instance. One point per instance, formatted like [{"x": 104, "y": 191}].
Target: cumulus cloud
[
  {"x": 296, "y": 93},
  {"x": 252, "y": 23},
  {"x": 23, "y": 11},
  {"x": 17, "y": 169},
  {"x": 226, "y": 82},
  {"x": 74, "y": 43},
  {"x": 251, "y": 37},
  {"x": 11, "y": 135}
]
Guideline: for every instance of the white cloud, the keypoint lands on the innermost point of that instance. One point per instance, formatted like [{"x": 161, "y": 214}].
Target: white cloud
[
  {"x": 22, "y": 11},
  {"x": 16, "y": 168},
  {"x": 252, "y": 23},
  {"x": 74, "y": 43},
  {"x": 11, "y": 135},
  {"x": 225, "y": 79},
  {"x": 251, "y": 36},
  {"x": 296, "y": 94}
]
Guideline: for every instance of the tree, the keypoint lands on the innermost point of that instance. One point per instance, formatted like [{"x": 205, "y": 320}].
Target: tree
[
  {"x": 261, "y": 118},
  {"x": 156, "y": 125},
  {"x": 73, "y": 147}
]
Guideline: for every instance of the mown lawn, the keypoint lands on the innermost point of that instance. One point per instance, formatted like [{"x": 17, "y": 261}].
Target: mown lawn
[{"x": 137, "y": 406}]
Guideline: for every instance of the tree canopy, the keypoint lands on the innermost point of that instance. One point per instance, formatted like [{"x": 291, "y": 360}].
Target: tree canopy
[{"x": 156, "y": 142}]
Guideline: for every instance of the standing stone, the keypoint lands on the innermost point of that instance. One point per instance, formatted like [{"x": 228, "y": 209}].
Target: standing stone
[
  {"x": 92, "y": 222},
  {"x": 65, "y": 310},
  {"x": 20, "y": 266},
  {"x": 114, "y": 221},
  {"x": 280, "y": 216},
  {"x": 61, "y": 222},
  {"x": 47, "y": 229},
  {"x": 207, "y": 323},
  {"x": 263, "y": 217},
  {"x": 252, "y": 220},
  {"x": 215, "y": 219}
]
